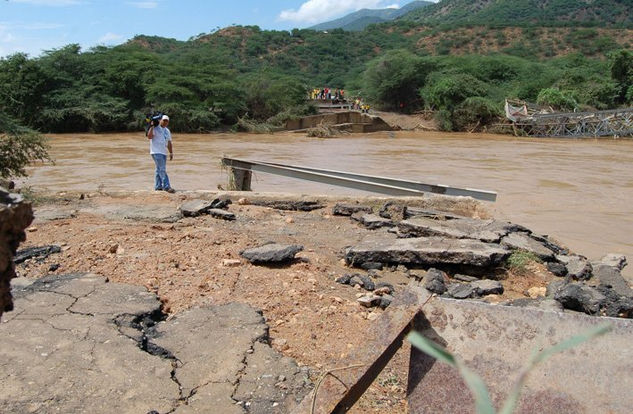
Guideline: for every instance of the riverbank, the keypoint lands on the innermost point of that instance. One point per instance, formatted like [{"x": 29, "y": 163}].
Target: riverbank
[{"x": 141, "y": 238}]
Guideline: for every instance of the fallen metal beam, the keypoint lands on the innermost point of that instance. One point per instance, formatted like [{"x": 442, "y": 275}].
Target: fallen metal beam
[{"x": 375, "y": 184}]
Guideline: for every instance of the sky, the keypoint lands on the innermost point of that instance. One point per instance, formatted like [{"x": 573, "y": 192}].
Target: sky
[{"x": 34, "y": 26}]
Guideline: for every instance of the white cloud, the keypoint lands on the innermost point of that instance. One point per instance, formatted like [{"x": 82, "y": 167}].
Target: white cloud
[
  {"x": 54, "y": 3},
  {"x": 144, "y": 4},
  {"x": 110, "y": 37},
  {"x": 314, "y": 11}
]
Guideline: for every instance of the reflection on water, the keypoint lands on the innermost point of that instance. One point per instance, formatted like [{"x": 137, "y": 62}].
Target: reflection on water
[{"x": 577, "y": 191}]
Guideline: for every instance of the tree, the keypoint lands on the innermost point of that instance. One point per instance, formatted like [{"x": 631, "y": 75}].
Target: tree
[
  {"x": 557, "y": 99},
  {"x": 18, "y": 147},
  {"x": 392, "y": 81},
  {"x": 622, "y": 73}
]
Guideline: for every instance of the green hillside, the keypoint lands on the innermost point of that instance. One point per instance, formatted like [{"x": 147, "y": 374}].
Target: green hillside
[
  {"x": 243, "y": 77},
  {"x": 527, "y": 12}
]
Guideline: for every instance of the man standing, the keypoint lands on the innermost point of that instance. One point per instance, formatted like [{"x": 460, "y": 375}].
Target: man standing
[{"x": 159, "y": 142}]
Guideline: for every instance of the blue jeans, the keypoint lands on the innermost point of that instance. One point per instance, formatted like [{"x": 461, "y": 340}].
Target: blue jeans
[{"x": 161, "y": 180}]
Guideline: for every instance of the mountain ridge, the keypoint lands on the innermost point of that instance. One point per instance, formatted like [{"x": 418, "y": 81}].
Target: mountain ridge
[{"x": 360, "y": 19}]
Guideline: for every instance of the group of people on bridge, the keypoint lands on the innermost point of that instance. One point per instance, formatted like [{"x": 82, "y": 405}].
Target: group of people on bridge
[{"x": 338, "y": 96}]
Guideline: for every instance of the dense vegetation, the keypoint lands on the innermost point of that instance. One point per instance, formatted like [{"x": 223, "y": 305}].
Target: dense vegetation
[{"x": 241, "y": 76}]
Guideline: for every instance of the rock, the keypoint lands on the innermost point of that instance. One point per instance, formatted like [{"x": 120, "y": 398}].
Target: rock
[
  {"x": 616, "y": 305},
  {"x": 385, "y": 285},
  {"x": 221, "y": 203},
  {"x": 490, "y": 231},
  {"x": 615, "y": 260},
  {"x": 434, "y": 281},
  {"x": 554, "y": 287},
  {"x": 385, "y": 300},
  {"x": 15, "y": 215},
  {"x": 392, "y": 211},
  {"x": 344, "y": 280},
  {"x": 461, "y": 291},
  {"x": 371, "y": 266},
  {"x": 38, "y": 253},
  {"x": 221, "y": 214},
  {"x": 290, "y": 220},
  {"x": 231, "y": 262},
  {"x": 536, "y": 292},
  {"x": 194, "y": 208},
  {"x": 53, "y": 267},
  {"x": 579, "y": 297},
  {"x": 349, "y": 209},
  {"x": 465, "y": 278},
  {"x": 434, "y": 214},
  {"x": 372, "y": 221},
  {"x": 364, "y": 281},
  {"x": 578, "y": 267},
  {"x": 113, "y": 248},
  {"x": 290, "y": 205},
  {"x": 382, "y": 291},
  {"x": 487, "y": 287},
  {"x": 271, "y": 253},
  {"x": 558, "y": 269},
  {"x": 425, "y": 252},
  {"x": 523, "y": 241},
  {"x": 243, "y": 201},
  {"x": 475, "y": 289},
  {"x": 369, "y": 301},
  {"x": 610, "y": 276}
]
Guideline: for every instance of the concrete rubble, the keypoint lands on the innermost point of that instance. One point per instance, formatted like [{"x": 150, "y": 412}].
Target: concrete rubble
[
  {"x": 479, "y": 248},
  {"x": 271, "y": 253},
  {"x": 112, "y": 351}
]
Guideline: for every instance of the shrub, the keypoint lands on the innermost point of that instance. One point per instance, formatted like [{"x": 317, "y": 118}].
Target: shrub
[{"x": 557, "y": 99}]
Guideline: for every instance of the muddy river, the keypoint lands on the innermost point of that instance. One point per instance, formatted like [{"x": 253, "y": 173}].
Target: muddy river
[{"x": 578, "y": 191}]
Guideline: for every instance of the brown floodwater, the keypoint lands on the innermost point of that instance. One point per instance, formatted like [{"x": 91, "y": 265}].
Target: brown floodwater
[{"x": 578, "y": 191}]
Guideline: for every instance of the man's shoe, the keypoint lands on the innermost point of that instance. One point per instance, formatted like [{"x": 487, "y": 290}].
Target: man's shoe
[
  {"x": 158, "y": 189},
  {"x": 170, "y": 190}
]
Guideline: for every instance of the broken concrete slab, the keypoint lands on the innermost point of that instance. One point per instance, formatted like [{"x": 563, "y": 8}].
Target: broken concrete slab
[
  {"x": 523, "y": 241},
  {"x": 372, "y": 221},
  {"x": 578, "y": 267},
  {"x": 271, "y": 253},
  {"x": 349, "y": 209},
  {"x": 586, "y": 379},
  {"x": 610, "y": 276},
  {"x": 426, "y": 252},
  {"x": 221, "y": 214},
  {"x": 490, "y": 231},
  {"x": 40, "y": 252},
  {"x": 429, "y": 213},
  {"x": 87, "y": 345},
  {"x": 615, "y": 260},
  {"x": 303, "y": 205},
  {"x": 195, "y": 208},
  {"x": 581, "y": 298}
]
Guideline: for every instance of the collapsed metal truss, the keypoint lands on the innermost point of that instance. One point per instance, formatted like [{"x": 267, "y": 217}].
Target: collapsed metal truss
[{"x": 615, "y": 123}]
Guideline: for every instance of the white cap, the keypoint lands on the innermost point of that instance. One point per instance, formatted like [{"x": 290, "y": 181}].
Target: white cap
[{"x": 165, "y": 118}]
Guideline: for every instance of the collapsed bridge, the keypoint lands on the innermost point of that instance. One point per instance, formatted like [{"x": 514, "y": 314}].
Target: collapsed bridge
[{"x": 532, "y": 121}]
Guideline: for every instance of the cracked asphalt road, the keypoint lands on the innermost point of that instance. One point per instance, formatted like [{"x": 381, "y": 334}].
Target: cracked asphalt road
[{"x": 78, "y": 344}]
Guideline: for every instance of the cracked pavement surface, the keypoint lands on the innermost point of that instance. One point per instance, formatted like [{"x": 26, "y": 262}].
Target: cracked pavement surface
[{"x": 76, "y": 343}]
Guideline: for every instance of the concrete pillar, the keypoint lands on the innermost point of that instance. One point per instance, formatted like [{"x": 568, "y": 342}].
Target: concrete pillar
[{"x": 239, "y": 180}]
